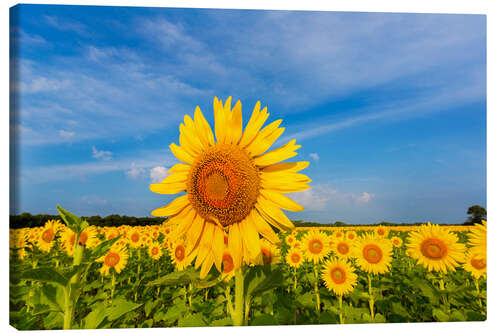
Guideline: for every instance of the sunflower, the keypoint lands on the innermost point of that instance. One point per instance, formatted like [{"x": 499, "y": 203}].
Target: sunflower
[
  {"x": 477, "y": 239},
  {"x": 475, "y": 264},
  {"x": 116, "y": 258},
  {"x": 343, "y": 247},
  {"x": 435, "y": 248},
  {"x": 154, "y": 250},
  {"x": 315, "y": 246},
  {"x": 270, "y": 253},
  {"x": 47, "y": 235},
  {"x": 179, "y": 255},
  {"x": 373, "y": 254},
  {"x": 396, "y": 241},
  {"x": 232, "y": 184},
  {"x": 134, "y": 239},
  {"x": 382, "y": 231},
  {"x": 88, "y": 238},
  {"x": 338, "y": 276},
  {"x": 227, "y": 265},
  {"x": 289, "y": 239},
  {"x": 338, "y": 234},
  {"x": 351, "y": 235},
  {"x": 294, "y": 258}
]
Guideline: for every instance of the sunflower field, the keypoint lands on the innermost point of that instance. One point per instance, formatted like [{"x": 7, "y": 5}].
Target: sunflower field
[
  {"x": 138, "y": 277},
  {"x": 228, "y": 255}
]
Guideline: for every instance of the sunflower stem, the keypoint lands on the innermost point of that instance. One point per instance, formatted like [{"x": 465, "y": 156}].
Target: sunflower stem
[
  {"x": 238, "y": 298},
  {"x": 316, "y": 290},
  {"x": 370, "y": 292},
  {"x": 476, "y": 282},
  {"x": 229, "y": 302},
  {"x": 340, "y": 310},
  {"x": 294, "y": 279}
]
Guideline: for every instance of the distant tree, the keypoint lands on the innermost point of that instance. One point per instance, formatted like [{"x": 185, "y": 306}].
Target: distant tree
[
  {"x": 477, "y": 213},
  {"x": 339, "y": 224}
]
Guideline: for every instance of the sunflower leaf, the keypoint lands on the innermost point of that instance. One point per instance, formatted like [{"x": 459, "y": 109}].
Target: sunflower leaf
[
  {"x": 72, "y": 221},
  {"x": 45, "y": 275},
  {"x": 103, "y": 248}
]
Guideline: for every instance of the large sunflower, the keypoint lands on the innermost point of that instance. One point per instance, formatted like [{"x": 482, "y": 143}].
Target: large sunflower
[
  {"x": 435, "y": 248},
  {"x": 338, "y": 276},
  {"x": 343, "y": 247},
  {"x": 232, "y": 184},
  {"x": 373, "y": 253}
]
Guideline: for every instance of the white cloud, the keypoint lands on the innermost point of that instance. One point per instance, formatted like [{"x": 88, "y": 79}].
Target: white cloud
[
  {"x": 157, "y": 174},
  {"x": 365, "y": 197},
  {"x": 314, "y": 156},
  {"x": 66, "y": 134},
  {"x": 323, "y": 197},
  {"x": 65, "y": 24},
  {"x": 93, "y": 200},
  {"x": 135, "y": 171},
  {"x": 101, "y": 154}
]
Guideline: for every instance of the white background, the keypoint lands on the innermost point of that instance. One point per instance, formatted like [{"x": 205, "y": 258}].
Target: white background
[{"x": 490, "y": 8}]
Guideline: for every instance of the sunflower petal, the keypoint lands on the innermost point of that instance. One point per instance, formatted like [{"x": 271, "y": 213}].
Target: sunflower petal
[
  {"x": 235, "y": 124},
  {"x": 172, "y": 188},
  {"x": 286, "y": 166},
  {"x": 181, "y": 154},
  {"x": 274, "y": 213},
  {"x": 172, "y": 208},
  {"x": 203, "y": 128},
  {"x": 218, "y": 246},
  {"x": 263, "y": 228},
  {"x": 252, "y": 241},
  {"x": 179, "y": 167},
  {"x": 254, "y": 125},
  {"x": 281, "y": 200},
  {"x": 277, "y": 155},
  {"x": 235, "y": 244}
]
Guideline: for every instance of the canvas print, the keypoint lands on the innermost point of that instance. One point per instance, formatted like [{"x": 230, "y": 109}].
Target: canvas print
[{"x": 176, "y": 167}]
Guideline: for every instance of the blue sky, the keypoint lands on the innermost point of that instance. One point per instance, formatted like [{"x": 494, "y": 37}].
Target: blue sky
[{"x": 389, "y": 108}]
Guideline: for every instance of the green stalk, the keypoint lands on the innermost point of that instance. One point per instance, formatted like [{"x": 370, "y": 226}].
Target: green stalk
[
  {"x": 238, "y": 298},
  {"x": 68, "y": 309},
  {"x": 316, "y": 290},
  {"x": 340, "y": 310},
  {"x": 476, "y": 282},
  {"x": 370, "y": 292},
  {"x": 294, "y": 279},
  {"x": 229, "y": 304}
]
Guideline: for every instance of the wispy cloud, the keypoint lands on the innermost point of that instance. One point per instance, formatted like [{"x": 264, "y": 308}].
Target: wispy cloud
[
  {"x": 158, "y": 173},
  {"x": 322, "y": 197},
  {"x": 314, "y": 156},
  {"x": 65, "y": 24},
  {"x": 101, "y": 154},
  {"x": 64, "y": 172}
]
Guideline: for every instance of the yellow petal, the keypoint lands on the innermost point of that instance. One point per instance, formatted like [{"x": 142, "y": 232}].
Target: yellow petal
[
  {"x": 172, "y": 208},
  {"x": 184, "y": 225},
  {"x": 273, "y": 214},
  {"x": 207, "y": 264},
  {"x": 252, "y": 241},
  {"x": 176, "y": 219},
  {"x": 284, "y": 178},
  {"x": 181, "y": 154},
  {"x": 235, "y": 125},
  {"x": 286, "y": 188},
  {"x": 172, "y": 188},
  {"x": 218, "y": 246},
  {"x": 286, "y": 166},
  {"x": 260, "y": 146},
  {"x": 205, "y": 244},
  {"x": 203, "y": 128},
  {"x": 179, "y": 167},
  {"x": 235, "y": 244},
  {"x": 281, "y": 200},
  {"x": 219, "y": 121},
  {"x": 194, "y": 232},
  {"x": 254, "y": 125},
  {"x": 263, "y": 228},
  {"x": 277, "y": 155}
]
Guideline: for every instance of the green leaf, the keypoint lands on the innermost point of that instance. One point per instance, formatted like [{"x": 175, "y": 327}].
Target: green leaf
[
  {"x": 183, "y": 277},
  {"x": 439, "y": 315},
  {"x": 119, "y": 307},
  {"x": 475, "y": 316},
  {"x": 192, "y": 320},
  {"x": 96, "y": 316},
  {"x": 101, "y": 249},
  {"x": 260, "y": 279},
  {"x": 227, "y": 321},
  {"x": 44, "y": 275},
  {"x": 72, "y": 221},
  {"x": 379, "y": 318},
  {"x": 150, "y": 305},
  {"x": 427, "y": 289},
  {"x": 458, "y": 316},
  {"x": 264, "y": 320}
]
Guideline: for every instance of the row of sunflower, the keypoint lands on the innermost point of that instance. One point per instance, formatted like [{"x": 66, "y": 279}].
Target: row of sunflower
[{"x": 346, "y": 262}]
